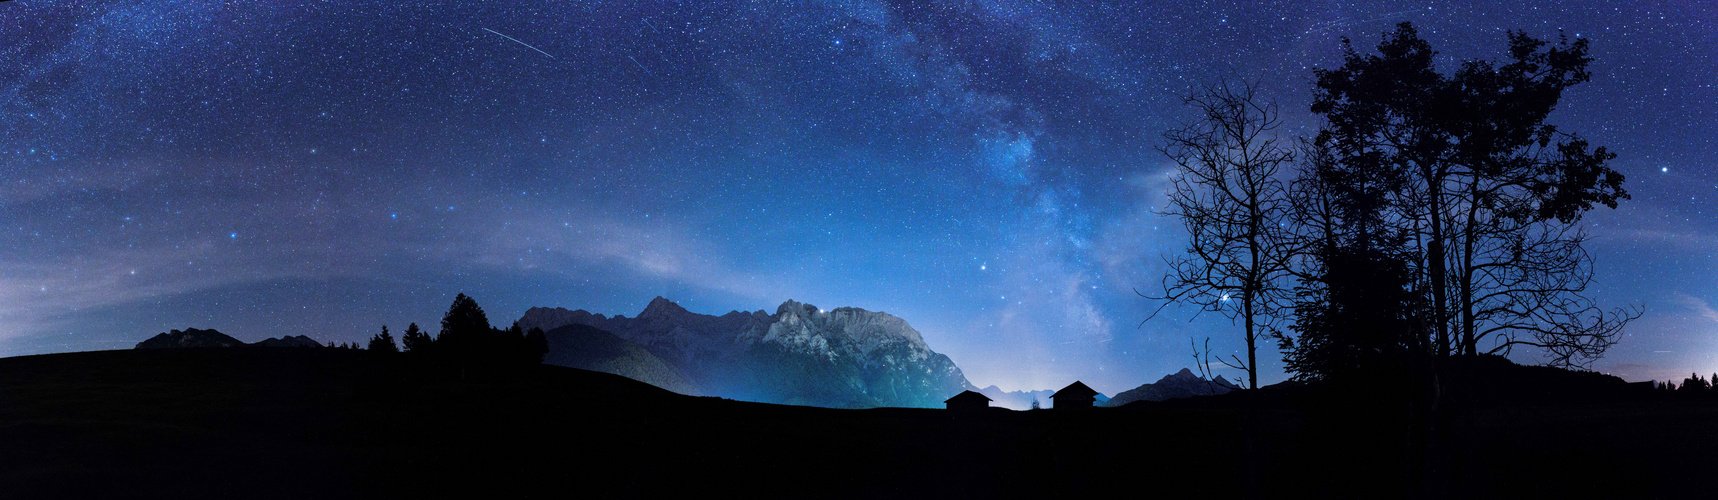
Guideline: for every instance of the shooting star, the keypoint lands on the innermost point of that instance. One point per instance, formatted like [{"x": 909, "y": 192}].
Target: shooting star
[
  {"x": 652, "y": 26},
  {"x": 516, "y": 40},
  {"x": 641, "y": 66}
]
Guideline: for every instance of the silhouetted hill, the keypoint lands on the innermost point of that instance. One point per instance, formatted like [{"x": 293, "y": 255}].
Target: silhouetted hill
[
  {"x": 190, "y": 337},
  {"x": 1486, "y": 381},
  {"x": 840, "y": 358},
  {"x": 1492, "y": 379},
  {"x": 338, "y": 423},
  {"x": 1182, "y": 384},
  {"x": 589, "y": 348},
  {"x": 288, "y": 341}
]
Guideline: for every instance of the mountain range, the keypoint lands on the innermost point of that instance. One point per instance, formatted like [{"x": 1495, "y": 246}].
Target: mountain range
[
  {"x": 192, "y": 337},
  {"x": 1182, "y": 384},
  {"x": 802, "y": 355}
]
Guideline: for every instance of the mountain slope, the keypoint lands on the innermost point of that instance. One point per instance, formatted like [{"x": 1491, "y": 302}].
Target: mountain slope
[
  {"x": 843, "y": 358},
  {"x": 589, "y": 348}
]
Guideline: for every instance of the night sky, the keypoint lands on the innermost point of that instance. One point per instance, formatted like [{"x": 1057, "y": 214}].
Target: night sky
[{"x": 983, "y": 169}]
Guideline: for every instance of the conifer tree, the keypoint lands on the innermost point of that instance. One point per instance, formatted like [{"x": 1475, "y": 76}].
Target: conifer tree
[
  {"x": 383, "y": 342},
  {"x": 416, "y": 340}
]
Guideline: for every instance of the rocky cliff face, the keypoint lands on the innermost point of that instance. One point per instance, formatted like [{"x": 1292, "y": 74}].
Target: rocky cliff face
[{"x": 845, "y": 358}]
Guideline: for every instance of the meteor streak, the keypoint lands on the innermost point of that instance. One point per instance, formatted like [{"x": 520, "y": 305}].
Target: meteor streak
[
  {"x": 641, "y": 66},
  {"x": 516, "y": 40}
]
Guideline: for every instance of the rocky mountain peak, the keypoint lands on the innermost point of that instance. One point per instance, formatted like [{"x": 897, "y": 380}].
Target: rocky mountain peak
[
  {"x": 794, "y": 308},
  {"x": 1184, "y": 376},
  {"x": 662, "y": 308}
]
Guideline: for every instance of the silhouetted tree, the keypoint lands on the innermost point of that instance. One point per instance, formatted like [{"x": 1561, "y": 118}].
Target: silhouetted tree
[
  {"x": 464, "y": 321},
  {"x": 415, "y": 340},
  {"x": 1357, "y": 319},
  {"x": 468, "y": 342},
  {"x": 466, "y": 338},
  {"x": 517, "y": 346},
  {"x": 383, "y": 342},
  {"x": 1228, "y": 196},
  {"x": 1358, "y": 307},
  {"x": 1695, "y": 383},
  {"x": 537, "y": 345},
  {"x": 1490, "y": 192}
]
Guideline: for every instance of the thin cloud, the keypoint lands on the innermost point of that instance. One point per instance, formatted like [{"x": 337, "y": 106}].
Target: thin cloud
[{"x": 1696, "y": 306}]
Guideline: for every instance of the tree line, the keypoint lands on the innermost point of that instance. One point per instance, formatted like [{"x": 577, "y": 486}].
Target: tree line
[
  {"x": 1432, "y": 215},
  {"x": 467, "y": 341},
  {"x": 1695, "y": 384}
]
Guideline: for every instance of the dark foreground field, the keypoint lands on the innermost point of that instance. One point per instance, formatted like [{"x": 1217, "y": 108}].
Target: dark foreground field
[{"x": 324, "y": 423}]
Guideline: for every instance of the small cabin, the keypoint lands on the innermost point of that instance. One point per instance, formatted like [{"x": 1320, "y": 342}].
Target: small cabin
[
  {"x": 1075, "y": 395},
  {"x": 968, "y": 401}
]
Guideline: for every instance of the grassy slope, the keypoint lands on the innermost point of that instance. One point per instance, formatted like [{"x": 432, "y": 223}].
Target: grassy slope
[{"x": 297, "y": 423}]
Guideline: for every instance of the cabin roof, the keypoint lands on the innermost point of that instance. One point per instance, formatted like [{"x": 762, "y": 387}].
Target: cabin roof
[
  {"x": 1076, "y": 390},
  {"x": 967, "y": 395}
]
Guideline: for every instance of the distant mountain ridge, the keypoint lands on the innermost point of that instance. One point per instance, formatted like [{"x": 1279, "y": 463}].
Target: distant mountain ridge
[
  {"x": 1022, "y": 400},
  {"x": 1181, "y": 384},
  {"x": 192, "y": 337},
  {"x": 1016, "y": 400},
  {"x": 288, "y": 341},
  {"x": 842, "y": 358}
]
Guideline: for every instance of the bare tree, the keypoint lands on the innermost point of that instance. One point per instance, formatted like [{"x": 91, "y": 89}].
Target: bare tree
[
  {"x": 1235, "y": 209},
  {"x": 1525, "y": 289},
  {"x": 1202, "y": 359}
]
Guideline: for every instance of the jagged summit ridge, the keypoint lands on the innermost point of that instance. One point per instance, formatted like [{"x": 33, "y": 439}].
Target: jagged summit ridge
[{"x": 853, "y": 330}]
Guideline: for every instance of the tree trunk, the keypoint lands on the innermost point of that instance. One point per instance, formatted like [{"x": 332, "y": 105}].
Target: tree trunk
[
  {"x": 1252, "y": 362},
  {"x": 1438, "y": 272},
  {"x": 1470, "y": 344}
]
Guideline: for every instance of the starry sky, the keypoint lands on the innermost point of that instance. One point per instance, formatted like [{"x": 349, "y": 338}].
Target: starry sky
[{"x": 984, "y": 169}]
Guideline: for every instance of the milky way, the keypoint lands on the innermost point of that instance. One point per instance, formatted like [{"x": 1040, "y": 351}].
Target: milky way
[{"x": 984, "y": 169}]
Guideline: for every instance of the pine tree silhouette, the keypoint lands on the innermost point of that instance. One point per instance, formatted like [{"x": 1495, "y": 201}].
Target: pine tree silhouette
[{"x": 383, "y": 342}]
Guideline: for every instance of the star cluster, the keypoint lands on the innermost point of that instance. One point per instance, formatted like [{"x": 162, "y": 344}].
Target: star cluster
[{"x": 983, "y": 169}]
